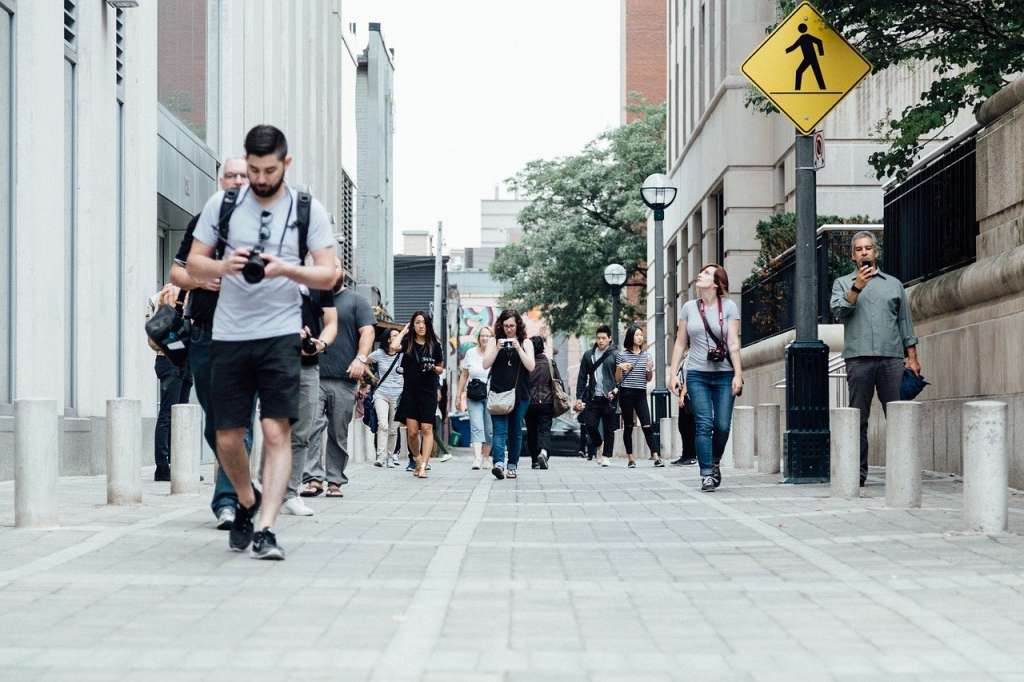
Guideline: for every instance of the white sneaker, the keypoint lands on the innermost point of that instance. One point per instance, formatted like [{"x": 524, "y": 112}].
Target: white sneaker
[
  {"x": 296, "y": 507},
  {"x": 394, "y": 460},
  {"x": 606, "y": 461},
  {"x": 379, "y": 462},
  {"x": 478, "y": 461},
  {"x": 444, "y": 458},
  {"x": 225, "y": 518}
]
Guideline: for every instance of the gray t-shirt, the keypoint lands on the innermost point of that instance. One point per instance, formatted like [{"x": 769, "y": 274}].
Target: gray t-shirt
[
  {"x": 270, "y": 308},
  {"x": 354, "y": 313},
  {"x": 392, "y": 385},
  {"x": 599, "y": 387},
  {"x": 700, "y": 343}
]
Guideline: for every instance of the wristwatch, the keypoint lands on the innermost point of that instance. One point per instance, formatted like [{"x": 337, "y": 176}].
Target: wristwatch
[
  {"x": 363, "y": 359},
  {"x": 856, "y": 289}
]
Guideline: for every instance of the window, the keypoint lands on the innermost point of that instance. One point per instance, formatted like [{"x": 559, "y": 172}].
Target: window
[
  {"x": 187, "y": 50},
  {"x": 712, "y": 52},
  {"x": 719, "y": 200},
  {"x": 6, "y": 206},
  {"x": 702, "y": 61},
  {"x": 70, "y": 228}
]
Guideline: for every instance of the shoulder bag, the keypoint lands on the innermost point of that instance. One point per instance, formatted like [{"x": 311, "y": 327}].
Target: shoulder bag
[
  {"x": 500, "y": 403},
  {"x": 560, "y": 400}
]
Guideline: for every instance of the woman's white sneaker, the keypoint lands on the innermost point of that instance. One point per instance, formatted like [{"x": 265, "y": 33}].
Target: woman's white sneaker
[
  {"x": 296, "y": 507},
  {"x": 478, "y": 461}
]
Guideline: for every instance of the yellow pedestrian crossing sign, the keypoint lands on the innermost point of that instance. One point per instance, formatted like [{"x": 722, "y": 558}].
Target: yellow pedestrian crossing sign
[{"x": 805, "y": 68}]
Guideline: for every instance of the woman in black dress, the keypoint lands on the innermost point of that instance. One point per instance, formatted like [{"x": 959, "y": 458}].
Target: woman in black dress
[{"x": 422, "y": 364}]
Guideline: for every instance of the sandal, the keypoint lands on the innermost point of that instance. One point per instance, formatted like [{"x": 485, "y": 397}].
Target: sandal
[
  {"x": 334, "y": 490},
  {"x": 312, "y": 489}
]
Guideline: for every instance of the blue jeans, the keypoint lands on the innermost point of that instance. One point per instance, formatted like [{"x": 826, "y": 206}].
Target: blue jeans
[
  {"x": 480, "y": 425},
  {"x": 199, "y": 361},
  {"x": 508, "y": 429},
  {"x": 711, "y": 397}
]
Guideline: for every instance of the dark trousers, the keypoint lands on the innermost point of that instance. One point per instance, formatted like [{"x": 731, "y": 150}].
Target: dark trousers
[
  {"x": 175, "y": 387},
  {"x": 601, "y": 411},
  {"x": 633, "y": 403},
  {"x": 538, "y": 429},
  {"x": 864, "y": 377},
  {"x": 199, "y": 362},
  {"x": 688, "y": 430}
]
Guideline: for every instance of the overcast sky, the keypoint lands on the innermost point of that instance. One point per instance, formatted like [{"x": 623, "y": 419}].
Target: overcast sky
[{"x": 482, "y": 87}]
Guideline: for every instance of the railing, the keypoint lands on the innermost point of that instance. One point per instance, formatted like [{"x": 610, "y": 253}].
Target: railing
[
  {"x": 930, "y": 221},
  {"x": 768, "y": 306}
]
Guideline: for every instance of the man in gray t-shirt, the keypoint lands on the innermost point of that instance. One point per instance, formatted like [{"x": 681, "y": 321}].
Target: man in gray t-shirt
[{"x": 255, "y": 348}]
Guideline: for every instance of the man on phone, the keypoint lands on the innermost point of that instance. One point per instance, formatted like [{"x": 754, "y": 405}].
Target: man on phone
[{"x": 879, "y": 339}]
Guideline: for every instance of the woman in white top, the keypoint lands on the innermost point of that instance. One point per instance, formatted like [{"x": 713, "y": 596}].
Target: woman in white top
[
  {"x": 385, "y": 397},
  {"x": 473, "y": 380}
]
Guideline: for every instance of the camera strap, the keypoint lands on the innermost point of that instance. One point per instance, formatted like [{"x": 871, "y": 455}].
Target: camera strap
[
  {"x": 721, "y": 325},
  {"x": 230, "y": 202}
]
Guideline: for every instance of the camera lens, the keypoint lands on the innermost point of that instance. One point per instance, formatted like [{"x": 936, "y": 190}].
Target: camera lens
[{"x": 254, "y": 269}]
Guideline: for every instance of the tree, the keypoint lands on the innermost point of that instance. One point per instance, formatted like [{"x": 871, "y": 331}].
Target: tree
[
  {"x": 974, "y": 48},
  {"x": 584, "y": 213}
]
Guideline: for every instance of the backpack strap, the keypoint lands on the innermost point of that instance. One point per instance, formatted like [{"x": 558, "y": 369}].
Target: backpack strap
[
  {"x": 302, "y": 222},
  {"x": 227, "y": 207}
]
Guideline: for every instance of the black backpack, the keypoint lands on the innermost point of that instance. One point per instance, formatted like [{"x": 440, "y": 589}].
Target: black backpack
[{"x": 230, "y": 202}]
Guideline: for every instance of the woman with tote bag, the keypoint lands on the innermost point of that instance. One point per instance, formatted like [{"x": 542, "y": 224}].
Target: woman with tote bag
[{"x": 510, "y": 360}]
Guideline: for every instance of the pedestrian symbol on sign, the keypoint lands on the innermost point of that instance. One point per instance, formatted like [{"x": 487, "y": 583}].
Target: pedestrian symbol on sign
[{"x": 807, "y": 44}]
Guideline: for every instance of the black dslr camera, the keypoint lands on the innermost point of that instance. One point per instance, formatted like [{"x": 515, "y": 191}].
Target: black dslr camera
[
  {"x": 255, "y": 268},
  {"x": 716, "y": 354},
  {"x": 309, "y": 347}
]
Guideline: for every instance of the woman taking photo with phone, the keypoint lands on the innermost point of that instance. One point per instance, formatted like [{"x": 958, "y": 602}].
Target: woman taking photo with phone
[
  {"x": 633, "y": 369},
  {"x": 422, "y": 364},
  {"x": 710, "y": 328},
  {"x": 473, "y": 396},
  {"x": 510, "y": 360}
]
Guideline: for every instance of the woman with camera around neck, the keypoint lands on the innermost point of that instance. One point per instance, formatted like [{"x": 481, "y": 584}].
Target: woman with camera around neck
[
  {"x": 510, "y": 360},
  {"x": 710, "y": 328},
  {"x": 473, "y": 397},
  {"x": 422, "y": 364}
]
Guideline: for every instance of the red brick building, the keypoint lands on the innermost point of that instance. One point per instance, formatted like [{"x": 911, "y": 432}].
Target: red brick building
[{"x": 644, "y": 46}]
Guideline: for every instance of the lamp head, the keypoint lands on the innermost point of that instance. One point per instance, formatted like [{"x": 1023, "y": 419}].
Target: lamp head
[
  {"x": 658, "y": 192},
  {"x": 615, "y": 275}
]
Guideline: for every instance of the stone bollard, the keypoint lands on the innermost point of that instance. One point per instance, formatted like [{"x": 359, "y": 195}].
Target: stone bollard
[
  {"x": 844, "y": 463},
  {"x": 769, "y": 453},
  {"x": 619, "y": 445},
  {"x": 403, "y": 442},
  {"x": 36, "y": 463},
  {"x": 677, "y": 441},
  {"x": 639, "y": 444},
  {"x": 667, "y": 427},
  {"x": 902, "y": 454},
  {"x": 743, "y": 437},
  {"x": 186, "y": 448},
  {"x": 986, "y": 466},
  {"x": 124, "y": 451}
]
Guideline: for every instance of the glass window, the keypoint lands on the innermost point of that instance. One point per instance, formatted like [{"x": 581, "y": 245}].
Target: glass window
[
  {"x": 187, "y": 63},
  {"x": 70, "y": 228},
  {"x": 6, "y": 205}
]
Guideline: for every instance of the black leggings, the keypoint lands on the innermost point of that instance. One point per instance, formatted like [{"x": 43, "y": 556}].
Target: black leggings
[{"x": 633, "y": 403}]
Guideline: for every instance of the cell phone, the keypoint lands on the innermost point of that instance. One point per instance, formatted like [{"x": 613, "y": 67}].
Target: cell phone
[{"x": 505, "y": 343}]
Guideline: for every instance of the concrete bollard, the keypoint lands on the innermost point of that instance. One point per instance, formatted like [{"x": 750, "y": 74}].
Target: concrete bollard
[
  {"x": 769, "y": 453},
  {"x": 124, "y": 451},
  {"x": 677, "y": 441},
  {"x": 186, "y": 448},
  {"x": 667, "y": 427},
  {"x": 403, "y": 442},
  {"x": 844, "y": 463},
  {"x": 986, "y": 466},
  {"x": 36, "y": 463},
  {"x": 743, "y": 437},
  {"x": 902, "y": 454},
  {"x": 640, "y": 450},
  {"x": 619, "y": 447}
]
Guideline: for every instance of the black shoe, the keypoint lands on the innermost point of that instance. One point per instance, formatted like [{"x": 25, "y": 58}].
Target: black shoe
[
  {"x": 542, "y": 460},
  {"x": 631, "y": 464},
  {"x": 716, "y": 473},
  {"x": 162, "y": 473},
  {"x": 707, "y": 484},
  {"x": 241, "y": 528},
  {"x": 684, "y": 461},
  {"x": 498, "y": 471},
  {"x": 535, "y": 465},
  {"x": 264, "y": 546},
  {"x": 659, "y": 462}
]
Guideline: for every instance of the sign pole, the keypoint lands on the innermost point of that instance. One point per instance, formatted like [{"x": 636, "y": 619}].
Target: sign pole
[{"x": 807, "y": 417}]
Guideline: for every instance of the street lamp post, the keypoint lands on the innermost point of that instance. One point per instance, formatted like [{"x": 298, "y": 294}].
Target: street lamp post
[
  {"x": 615, "y": 276},
  {"x": 658, "y": 193}
]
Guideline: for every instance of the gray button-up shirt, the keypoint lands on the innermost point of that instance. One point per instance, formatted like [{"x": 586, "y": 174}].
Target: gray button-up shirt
[{"x": 879, "y": 324}]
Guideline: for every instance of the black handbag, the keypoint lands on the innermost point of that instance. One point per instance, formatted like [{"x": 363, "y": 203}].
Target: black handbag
[
  {"x": 476, "y": 390},
  {"x": 169, "y": 330}
]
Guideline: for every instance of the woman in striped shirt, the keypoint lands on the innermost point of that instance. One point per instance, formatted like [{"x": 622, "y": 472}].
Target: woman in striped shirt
[{"x": 634, "y": 368}]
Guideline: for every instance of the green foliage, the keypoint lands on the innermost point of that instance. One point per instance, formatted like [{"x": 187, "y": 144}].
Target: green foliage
[
  {"x": 585, "y": 212},
  {"x": 974, "y": 48}
]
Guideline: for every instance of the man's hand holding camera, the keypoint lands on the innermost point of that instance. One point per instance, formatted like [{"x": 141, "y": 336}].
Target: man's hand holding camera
[{"x": 310, "y": 345}]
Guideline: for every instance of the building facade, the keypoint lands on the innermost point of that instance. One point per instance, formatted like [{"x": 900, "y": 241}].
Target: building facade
[
  {"x": 499, "y": 221},
  {"x": 137, "y": 107},
  {"x": 375, "y": 97},
  {"x": 643, "y": 45}
]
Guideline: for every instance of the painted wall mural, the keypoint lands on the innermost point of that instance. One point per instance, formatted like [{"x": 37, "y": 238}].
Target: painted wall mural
[{"x": 473, "y": 316}]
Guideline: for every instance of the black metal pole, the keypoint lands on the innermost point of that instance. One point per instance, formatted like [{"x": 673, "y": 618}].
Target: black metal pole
[
  {"x": 660, "y": 394},
  {"x": 616, "y": 293},
  {"x": 807, "y": 425}
]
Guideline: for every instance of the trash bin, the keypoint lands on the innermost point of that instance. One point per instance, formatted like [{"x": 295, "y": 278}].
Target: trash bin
[{"x": 460, "y": 429}]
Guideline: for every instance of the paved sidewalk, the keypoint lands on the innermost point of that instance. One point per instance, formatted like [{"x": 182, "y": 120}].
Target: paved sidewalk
[{"x": 577, "y": 573}]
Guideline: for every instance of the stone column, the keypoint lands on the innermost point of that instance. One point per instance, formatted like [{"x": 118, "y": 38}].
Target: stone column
[
  {"x": 986, "y": 466},
  {"x": 844, "y": 464},
  {"x": 669, "y": 438},
  {"x": 186, "y": 448},
  {"x": 903, "y": 454},
  {"x": 743, "y": 437},
  {"x": 769, "y": 447},
  {"x": 124, "y": 451},
  {"x": 36, "y": 463}
]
